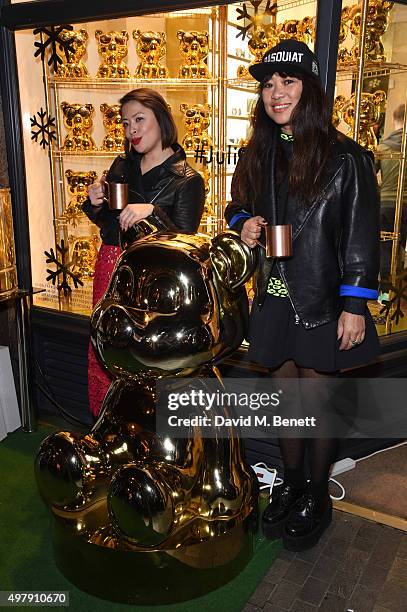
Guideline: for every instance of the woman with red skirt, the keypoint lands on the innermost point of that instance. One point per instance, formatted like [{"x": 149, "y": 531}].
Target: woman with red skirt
[{"x": 159, "y": 178}]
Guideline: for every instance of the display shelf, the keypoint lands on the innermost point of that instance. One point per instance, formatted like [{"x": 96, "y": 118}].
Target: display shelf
[
  {"x": 247, "y": 85},
  {"x": 98, "y": 153},
  {"x": 386, "y": 155},
  {"x": 132, "y": 83},
  {"x": 240, "y": 117},
  {"x": 371, "y": 69},
  {"x": 60, "y": 153},
  {"x": 246, "y": 60},
  {"x": 285, "y": 5}
]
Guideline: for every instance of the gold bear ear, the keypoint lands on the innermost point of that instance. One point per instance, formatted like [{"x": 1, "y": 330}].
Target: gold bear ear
[
  {"x": 98, "y": 33},
  {"x": 207, "y": 107},
  {"x": 93, "y": 174},
  {"x": 68, "y": 173},
  {"x": 84, "y": 34},
  {"x": 180, "y": 34},
  {"x": 233, "y": 261},
  {"x": 104, "y": 107},
  {"x": 64, "y": 106},
  {"x": 89, "y": 107},
  {"x": 183, "y": 107},
  {"x": 125, "y": 34},
  {"x": 136, "y": 34},
  {"x": 163, "y": 36}
]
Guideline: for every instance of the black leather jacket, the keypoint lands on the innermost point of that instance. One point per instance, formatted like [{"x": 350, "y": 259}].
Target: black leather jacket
[
  {"x": 335, "y": 239},
  {"x": 178, "y": 194}
]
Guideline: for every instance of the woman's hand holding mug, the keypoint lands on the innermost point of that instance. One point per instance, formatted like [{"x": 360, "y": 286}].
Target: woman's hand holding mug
[
  {"x": 251, "y": 230},
  {"x": 96, "y": 193}
]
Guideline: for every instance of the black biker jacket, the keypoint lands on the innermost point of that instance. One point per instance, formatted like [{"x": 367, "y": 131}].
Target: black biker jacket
[
  {"x": 179, "y": 194},
  {"x": 335, "y": 239}
]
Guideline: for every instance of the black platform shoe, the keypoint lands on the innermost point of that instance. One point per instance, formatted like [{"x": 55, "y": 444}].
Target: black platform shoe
[
  {"x": 276, "y": 513},
  {"x": 306, "y": 523}
]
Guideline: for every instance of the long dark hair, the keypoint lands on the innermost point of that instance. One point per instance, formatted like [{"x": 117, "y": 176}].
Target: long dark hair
[
  {"x": 153, "y": 100},
  {"x": 312, "y": 131}
]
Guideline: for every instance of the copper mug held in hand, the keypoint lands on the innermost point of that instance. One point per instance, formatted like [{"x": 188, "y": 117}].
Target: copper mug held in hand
[
  {"x": 279, "y": 241},
  {"x": 117, "y": 194}
]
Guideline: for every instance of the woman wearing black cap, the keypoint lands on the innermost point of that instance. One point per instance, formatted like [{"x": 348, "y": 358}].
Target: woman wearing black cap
[{"x": 309, "y": 317}]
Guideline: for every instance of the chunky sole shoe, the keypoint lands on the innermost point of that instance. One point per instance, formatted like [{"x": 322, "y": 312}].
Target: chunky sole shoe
[
  {"x": 275, "y": 530},
  {"x": 283, "y": 506},
  {"x": 306, "y": 541}
]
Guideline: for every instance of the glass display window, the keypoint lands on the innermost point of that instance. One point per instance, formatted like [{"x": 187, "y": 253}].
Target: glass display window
[
  {"x": 369, "y": 105},
  {"x": 71, "y": 79}
]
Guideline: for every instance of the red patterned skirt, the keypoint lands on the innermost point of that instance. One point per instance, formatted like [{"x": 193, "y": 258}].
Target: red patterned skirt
[{"x": 99, "y": 378}]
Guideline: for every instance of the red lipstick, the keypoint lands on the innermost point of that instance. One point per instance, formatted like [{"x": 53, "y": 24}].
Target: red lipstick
[{"x": 135, "y": 141}]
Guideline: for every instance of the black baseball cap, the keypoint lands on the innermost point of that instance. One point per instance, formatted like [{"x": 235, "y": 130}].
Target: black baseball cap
[{"x": 289, "y": 56}]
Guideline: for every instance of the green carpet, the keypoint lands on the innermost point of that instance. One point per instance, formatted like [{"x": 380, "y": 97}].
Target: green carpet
[{"x": 26, "y": 553}]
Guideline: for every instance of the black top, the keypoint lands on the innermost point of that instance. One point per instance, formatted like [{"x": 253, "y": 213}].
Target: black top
[
  {"x": 286, "y": 205},
  {"x": 176, "y": 190}
]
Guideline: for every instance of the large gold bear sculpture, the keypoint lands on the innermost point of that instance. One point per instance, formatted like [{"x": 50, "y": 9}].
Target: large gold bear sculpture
[{"x": 139, "y": 517}]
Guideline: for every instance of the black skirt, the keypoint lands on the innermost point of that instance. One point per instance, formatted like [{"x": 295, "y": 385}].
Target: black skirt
[{"x": 274, "y": 338}]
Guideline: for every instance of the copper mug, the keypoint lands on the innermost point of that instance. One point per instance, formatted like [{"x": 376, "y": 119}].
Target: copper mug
[
  {"x": 279, "y": 241},
  {"x": 117, "y": 194}
]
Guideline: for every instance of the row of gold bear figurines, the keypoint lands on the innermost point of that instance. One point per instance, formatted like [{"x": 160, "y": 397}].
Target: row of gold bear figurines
[
  {"x": 78, "y": 121},
  {"x": 150, "y": 48},
  {"x": 265, "y": 35},
  {"x": 194, "y": 45}
]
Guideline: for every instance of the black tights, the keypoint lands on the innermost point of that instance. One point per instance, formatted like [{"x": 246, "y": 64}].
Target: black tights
[{"x": 321, "y": 451}]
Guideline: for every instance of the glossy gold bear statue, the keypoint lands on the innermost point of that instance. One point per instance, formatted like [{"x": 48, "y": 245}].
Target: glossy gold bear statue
[
  {"x": 376, "y": 25},
  {"x": 78, "y": 121},
  {"x": 84, "y": 250},
  {"x": 150, "y": 47},
  {"x": 371, "y": 107},
  {"x": 112, "y": 47},
  {"x": 197, "y": 119},
  {"x": 73, "y": 66},
  {"x": 194, "y": 48},
  {"x": 114, "y": 139},
  {"x": 78, "y": 183},
  {"x": 138, "y": 517}
]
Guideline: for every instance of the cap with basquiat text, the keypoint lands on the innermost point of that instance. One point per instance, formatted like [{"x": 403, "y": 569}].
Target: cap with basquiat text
[{"x": 289, "y": 56}]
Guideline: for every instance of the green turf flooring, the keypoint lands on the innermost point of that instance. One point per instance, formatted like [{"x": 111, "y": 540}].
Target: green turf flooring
[{"x": 26, "y": 560}]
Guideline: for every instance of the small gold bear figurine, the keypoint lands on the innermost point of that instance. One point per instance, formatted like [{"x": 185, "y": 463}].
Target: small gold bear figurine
[
  {"x": 112, "y": 120},
  {"x": 112, "y": 47},
  {"x": 370, "y": 109},
  {"x": 262, "y": 39},
  {"x": 84, "y": 253},
  {"x": 78, "y": 121},
  {"x": 78, "y": 183},
  {"x": 196, "y": 120},
  {"x": 344, "y": 55},
  {"x": 150, "y": 47},
  {"x": 376, "y": 25},
  {"x": 73, "y": 67},
  {"x": 194, "y": 47}
]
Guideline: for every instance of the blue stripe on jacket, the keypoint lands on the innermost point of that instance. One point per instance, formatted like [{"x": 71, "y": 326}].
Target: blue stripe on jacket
[
  {"x": 237, "y": 216},
  {"x": 363, "y": 292}
]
